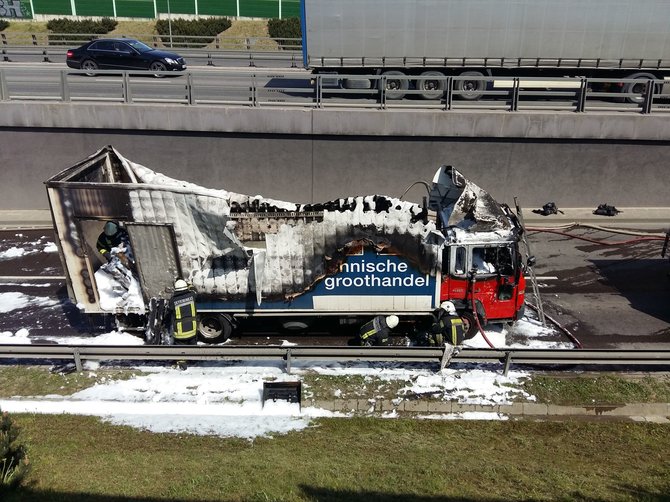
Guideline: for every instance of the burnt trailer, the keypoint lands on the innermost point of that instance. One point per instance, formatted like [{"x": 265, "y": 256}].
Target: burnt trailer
[{"x": 248, "y": 256}]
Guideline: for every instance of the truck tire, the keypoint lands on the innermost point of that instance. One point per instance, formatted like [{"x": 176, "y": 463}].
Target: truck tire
[
  {"x": 470, "y": 324},
  {"x": 215, "y": 328},
  {"x": 471, "y": 89},
  {"x": 395, "y": 87},
  {"x": 638, "y": 87},
  {"x": 431, "y": 88}
]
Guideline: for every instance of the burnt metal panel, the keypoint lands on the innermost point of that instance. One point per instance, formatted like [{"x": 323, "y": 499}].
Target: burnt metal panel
[
  {"x": 157, "y": 265},
  {"x": 105, "y": 202}
]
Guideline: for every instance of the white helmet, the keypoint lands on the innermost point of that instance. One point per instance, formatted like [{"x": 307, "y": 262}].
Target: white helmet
[
  {"x": 180, "y": 285},
  {"x": 448, "y": 307},
  {"x": 392, "y": 321}
]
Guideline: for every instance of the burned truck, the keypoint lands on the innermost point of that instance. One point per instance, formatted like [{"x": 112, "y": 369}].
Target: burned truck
[{"x": 250, "y": 256}]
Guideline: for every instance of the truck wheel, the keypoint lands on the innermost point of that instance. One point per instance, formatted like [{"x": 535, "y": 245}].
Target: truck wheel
[
  {"x": 396, "y": 84},
  {"x": 432, "y": 88},
  {"x": 638, "y": 87},
  {"x": 471, "y": 89},
  {"x": 215, "y": 328},
  {"x": 470, "y": 324}
]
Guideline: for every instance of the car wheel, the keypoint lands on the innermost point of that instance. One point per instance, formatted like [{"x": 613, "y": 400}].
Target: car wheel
[
  {"x": 157, "y": 66},
  {"x": 88, "y": 65}
]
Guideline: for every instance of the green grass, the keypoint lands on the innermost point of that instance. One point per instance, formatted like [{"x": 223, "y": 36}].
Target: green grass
[
  {"x": 601, "y": 389},
  {"x": 78, "y": 458},
  {"x": 39, "y": 381}
]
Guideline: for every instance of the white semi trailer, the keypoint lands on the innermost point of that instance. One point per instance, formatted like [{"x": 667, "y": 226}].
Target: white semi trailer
[{"x": 431, "y": 39}]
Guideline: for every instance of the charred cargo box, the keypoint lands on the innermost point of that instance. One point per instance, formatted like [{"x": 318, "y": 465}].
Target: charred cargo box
[{"x": 250, "y": 255}]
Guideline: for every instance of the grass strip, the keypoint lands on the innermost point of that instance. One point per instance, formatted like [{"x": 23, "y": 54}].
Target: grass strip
[
  {"x": 79, "y": 458},
  {"x": 600, "y": 389},
  {"x": 26, "y": 381}
]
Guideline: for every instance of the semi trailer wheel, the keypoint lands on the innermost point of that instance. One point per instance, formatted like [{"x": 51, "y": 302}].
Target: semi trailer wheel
[
  {"x": 215, "y": 328},
  {"x": 471, "y": 90},
  {"x": 431, "y": 87},
  {"x": 396, "y": 85},
  {"x": 638, "y": 88}
]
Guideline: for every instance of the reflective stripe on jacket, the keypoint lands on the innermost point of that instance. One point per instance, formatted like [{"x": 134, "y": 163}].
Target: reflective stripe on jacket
[{"x": 184, "y": 315}]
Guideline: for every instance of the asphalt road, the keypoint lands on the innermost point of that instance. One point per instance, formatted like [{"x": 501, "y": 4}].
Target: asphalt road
[{"x": 608, "y": 296}]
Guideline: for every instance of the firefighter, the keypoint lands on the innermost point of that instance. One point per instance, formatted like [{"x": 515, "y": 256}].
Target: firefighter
[
  {"x": 182, "y": 314},
  {"x": 376, "y": 332},
  {"x": 447, "y": 326},
  {"x": 112, "y": 236},
  {"x": 114, "y": 245}
]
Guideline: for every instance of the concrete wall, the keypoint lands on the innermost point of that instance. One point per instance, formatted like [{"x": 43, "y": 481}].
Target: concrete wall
[{"x": 304, "y": 167}]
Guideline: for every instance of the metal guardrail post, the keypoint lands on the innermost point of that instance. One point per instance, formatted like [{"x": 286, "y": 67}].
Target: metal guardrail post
[
  {"x": 5, "y": 57},
  {"x": 45, "y": 53},
  {"x": 4, "y": 94},
  {"x": 288, "y": 361},
  {"x": 251, "y": 60},
  {"x": 293, "y": 63},
  {"x": 77, "y": 359},
  {"x": 581, "y": 97},
  {"x": 190, "y": 94},
  {"x": 64, "y": 89},
  {"x": 35, "y": 39},
  {"x": 209, "y": 59},
  {"x": 508, "y": 363},
  {"x": 382, "y": 90},
  {"x": 648, "y": 97},
  {"x": 254, "y": 97},
  {"x": 514, "y": 105},
  {"x": 449, "y": 93},
  {"x": 318, "y": 89},
  {"x": 127, "y": 96}
]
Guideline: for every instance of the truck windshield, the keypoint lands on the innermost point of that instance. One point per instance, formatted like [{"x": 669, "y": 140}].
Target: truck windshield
[{"x": 493, "y": 260}]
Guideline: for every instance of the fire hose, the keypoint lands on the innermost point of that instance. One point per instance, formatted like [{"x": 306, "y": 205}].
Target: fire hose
[{"x": 473, "y": 280}]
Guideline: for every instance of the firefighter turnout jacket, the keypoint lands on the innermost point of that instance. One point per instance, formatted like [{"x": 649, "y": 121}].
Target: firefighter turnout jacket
[
  {"x": 183, "y": 314},
  {"x": 447, "y": 328},
  {"x": 375, "y": 332},
  {"x": 106, "y": 242}
]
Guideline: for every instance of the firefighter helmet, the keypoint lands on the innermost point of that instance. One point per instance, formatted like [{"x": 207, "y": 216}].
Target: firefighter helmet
[
  {"x": 180, "y": 285},
  {"x": 448, "y": 307},
  {"x": 392, "y": 321},
  {"x": 111, "y": 227}
]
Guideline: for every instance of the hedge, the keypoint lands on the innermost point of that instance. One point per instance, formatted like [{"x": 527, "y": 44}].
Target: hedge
[
  {"x": 285, "y": 28},
  {"x": 86, "y": 26},
  {"x": 208, "y": 28}
]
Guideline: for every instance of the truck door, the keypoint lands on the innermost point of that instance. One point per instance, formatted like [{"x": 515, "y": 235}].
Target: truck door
[
  {"x": 156, "y": 258},
  {"x": 496, "y": 286}
]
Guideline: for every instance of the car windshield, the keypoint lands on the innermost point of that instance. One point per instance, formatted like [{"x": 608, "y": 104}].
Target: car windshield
[{"x": 139, "y": 46}]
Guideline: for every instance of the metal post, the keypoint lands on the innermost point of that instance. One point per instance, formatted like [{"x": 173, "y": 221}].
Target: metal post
[
  {"x": 508, "y": 362},
  {"x": 64, "y": 89},
  {"x": 319, "y": 91},
  {"x": 382, "y": 90},
  {"x": 514, "y": 106},
  {"x": 449, "y": 93},
  {"x": 288, "y": 361},
  {"x": 189, "y": 89},
  {"x": 253, "y": 91},
  {"x": 581, "y": 98},
  {"x": 127, "y": 96},
  {"x": 4, "y": 95},
  {"x": 648, "y": 97},
  {"x": 77, "y": 360},
  {"x": 169, "y": 22}
]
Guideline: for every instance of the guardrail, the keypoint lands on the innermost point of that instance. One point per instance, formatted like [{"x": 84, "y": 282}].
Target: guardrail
[
  {"x": 71, "y": 40},
  {"x": 440, "y": 356},
  {"x": 301, "y": 89}
]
